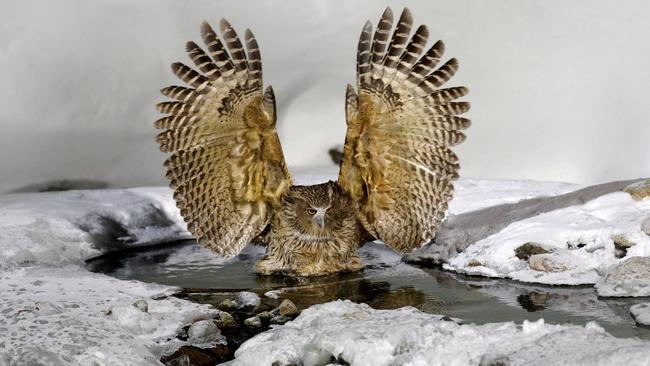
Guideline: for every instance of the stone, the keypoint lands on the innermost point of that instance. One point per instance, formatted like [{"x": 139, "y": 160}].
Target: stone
[
  {"x": 247, "y": 300},
  {"x": 645, "y": 225},
  {"x": 141, "y": 305},
  {"x": 192, "y": 356},
  {"x": 621, "y": 244},
  {"x": 253, "y": 322},
  {"x": 526, "y": 250},
  {"x": 628, "y": 278},
  {"x": 547, "y": 263},
  {"x": 205, "y": 332},
  {"x": 288, "y": 308},
  {"x": 225, "y": 321},
  {"x": 227, "y": 305},
  {"x": 641, "y": 313},
  {"x": 474, "y": 263},
  {"x": 265, "y": 315},
  {"x": 639, "y": 190},
  {"x": 280, "y": 319}
]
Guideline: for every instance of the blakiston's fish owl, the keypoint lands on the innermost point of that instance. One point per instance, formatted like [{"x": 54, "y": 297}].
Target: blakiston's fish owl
[{"x": 230, "y": 179}]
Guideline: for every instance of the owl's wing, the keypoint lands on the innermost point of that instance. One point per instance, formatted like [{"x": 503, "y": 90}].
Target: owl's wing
[
  {"x": 226, "y": 165},
  {"x": 397, "y": 160}
]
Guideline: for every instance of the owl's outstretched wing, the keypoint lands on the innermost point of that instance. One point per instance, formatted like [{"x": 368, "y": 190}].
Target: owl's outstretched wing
[
  {"x": 226, "y": 166},
  {"x": 397, "y": 162}
]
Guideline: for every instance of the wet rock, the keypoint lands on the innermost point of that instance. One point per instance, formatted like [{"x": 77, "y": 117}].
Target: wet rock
[
  {"x": 629, "y": 278},
  {"x": 227, "y": 305},
  {"x": 639, "y": 190},
  {"x": 548, "y": 263},
  {"x": 265, "y": 315},
  {"x": 280, "y": 319},
  {"x": 528, "y": 249},
  {"x": 195, "y": 356},
  {"x": 253, "y": 322},
  {"x": 645, "y": 225},
  {"x": 141, "y": 305},
  {"x": 225, "y": 321},
  {"x": 641, "y": 313},
  {"x": 288, "y": 308},
  {"x": 205, "y": 333},
  {"x": 247, "y": 300}
]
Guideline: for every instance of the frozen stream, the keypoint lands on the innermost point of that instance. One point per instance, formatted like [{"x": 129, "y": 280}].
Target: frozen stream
[{"x": 387, "y": 283}]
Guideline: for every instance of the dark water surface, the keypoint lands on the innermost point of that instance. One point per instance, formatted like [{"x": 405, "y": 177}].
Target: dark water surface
[{"x": 386, "y": 283}]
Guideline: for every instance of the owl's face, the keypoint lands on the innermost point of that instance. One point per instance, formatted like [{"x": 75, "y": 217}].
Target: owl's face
[{"x": 315, "y": 214}]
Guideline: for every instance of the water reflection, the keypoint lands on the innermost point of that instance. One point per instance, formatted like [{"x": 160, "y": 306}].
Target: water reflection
[{"x": 385, "y": 284}]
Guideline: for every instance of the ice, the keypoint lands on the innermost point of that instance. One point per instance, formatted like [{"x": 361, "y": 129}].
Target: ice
[
  {"x": 581, "y": 238},
  {"x": 247, "y": 299},
  {"x": 356, "y": 334}
]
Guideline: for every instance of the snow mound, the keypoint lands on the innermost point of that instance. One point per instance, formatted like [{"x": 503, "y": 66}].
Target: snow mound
[
  {"x": 641, "y": 313},
  {"x": 356, "y": 334},
  {"x": 69, "y": 227},
  {"x": 629, "y": 278},
  {"x": 581, "y": 239},
  {"x": 69, "y": 316}
]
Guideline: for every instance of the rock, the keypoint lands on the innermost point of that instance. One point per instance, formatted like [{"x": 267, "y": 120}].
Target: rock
[
  {"x": 474, "y": 263},
  {"x": 141, "y": 305},
  {"x": 280, "y": 319},
  {"x": 548, "y": 263},
  {"x": 265, "y": 315},
  {"x": 253, "y": 322},
  {"x": 205, "y": 332},
  {"x": 525, "y": 251},
  {"x": 639, "y": 190},
  {"x": 621, "y": 245},
  {"x": 247, "y": 300},
  {"x": 629, "y": 278},
  {"x": 225, "y": 321},
  {"x": 288, "y": 308},
  {"x": 645, "y": 225},
  {"x": 641, "y": 313},
  {"x": 192, "y": 356},
  {"x": 228, "y": 305}
]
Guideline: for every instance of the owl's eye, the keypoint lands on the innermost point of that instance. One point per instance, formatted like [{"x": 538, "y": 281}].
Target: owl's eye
[{"x": 311, "y": 211}]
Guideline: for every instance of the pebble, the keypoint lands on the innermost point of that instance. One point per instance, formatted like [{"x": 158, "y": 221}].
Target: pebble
[
  {"x": 525, "y": 251},
  {"x": 227, "y": 305},
  {"x": 253, "y": 322},
  {"x": 547, "y": 263},
  {"x": 288, "y": 308},
  {"x": 225, "y": 321}
]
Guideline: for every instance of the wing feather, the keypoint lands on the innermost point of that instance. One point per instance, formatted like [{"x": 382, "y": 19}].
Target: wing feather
[
  {"x": 226, "y": 165},
  {"x": 397, "y": 160}
]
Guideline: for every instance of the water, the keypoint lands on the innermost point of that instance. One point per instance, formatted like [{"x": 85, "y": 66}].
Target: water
[{"x": 385, "y": 284}]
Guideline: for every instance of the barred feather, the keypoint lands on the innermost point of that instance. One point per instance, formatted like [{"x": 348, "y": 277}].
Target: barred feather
[
  {"x": 397, "y": 162},
  {"x": 222, "y": 139}
]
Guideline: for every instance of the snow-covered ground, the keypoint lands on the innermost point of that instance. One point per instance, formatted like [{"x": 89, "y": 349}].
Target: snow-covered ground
[
  {"x": 342, "y": 331},
  {"x": 54, "y": 311}
]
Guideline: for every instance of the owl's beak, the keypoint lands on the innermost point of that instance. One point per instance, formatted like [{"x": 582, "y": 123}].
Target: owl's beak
[{"x": 319, "y": 218}]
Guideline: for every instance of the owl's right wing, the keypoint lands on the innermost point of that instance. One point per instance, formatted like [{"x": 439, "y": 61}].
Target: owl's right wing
[
  {"x": 397, "y": 160},
  {"x": 226, "y": 166}
]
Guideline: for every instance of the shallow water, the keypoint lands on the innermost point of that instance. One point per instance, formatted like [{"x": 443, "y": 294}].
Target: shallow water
[{"x": 387, "y": 283}]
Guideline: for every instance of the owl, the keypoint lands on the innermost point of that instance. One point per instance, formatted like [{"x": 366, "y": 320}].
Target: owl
[{"x": 229, "y": 175}]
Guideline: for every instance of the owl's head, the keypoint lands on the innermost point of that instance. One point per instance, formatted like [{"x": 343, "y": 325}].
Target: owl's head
[{"x": 316, "y": 212}]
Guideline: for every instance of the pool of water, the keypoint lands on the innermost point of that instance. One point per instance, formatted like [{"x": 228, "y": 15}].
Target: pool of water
[{"x": 386, "y": 283}]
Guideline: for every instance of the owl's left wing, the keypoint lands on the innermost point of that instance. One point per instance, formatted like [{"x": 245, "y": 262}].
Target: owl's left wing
[
  {"x": 397, "y": 160},
  {"x": 226, "y": 165}
]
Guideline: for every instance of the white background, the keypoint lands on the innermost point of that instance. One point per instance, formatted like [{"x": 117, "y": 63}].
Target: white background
[{"x": 559, "y": 90}]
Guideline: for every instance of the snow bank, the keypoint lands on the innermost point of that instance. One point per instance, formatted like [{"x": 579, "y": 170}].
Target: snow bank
[
  {"x": 69, "y": 316},
  {"x": 581, "y": 241},
  {"x": 70, "y": 227},
  {"x": 343, "y": 331}
]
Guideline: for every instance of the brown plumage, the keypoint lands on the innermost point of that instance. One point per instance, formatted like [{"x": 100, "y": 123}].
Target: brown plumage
[{"x": 230, "y": 179}]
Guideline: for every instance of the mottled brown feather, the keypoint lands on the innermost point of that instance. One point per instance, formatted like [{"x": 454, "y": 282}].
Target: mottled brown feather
[
  {"x": 397, "y": 163},
  {"x": 226, "y": 165}
]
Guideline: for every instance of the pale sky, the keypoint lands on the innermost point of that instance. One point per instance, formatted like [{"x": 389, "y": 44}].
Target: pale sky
[{"x": 559, "y": 90}]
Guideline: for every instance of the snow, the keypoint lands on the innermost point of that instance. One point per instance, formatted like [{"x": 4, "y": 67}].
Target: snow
[
  {"x": 247, "y": 299},
  {"x": 85, "y": 318},
  {"x": 581, "y": 238},
  {"x": 359, "y": 335},
  {"x": 641, "y": 313},
  {"x": 629, "y": 278}
]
